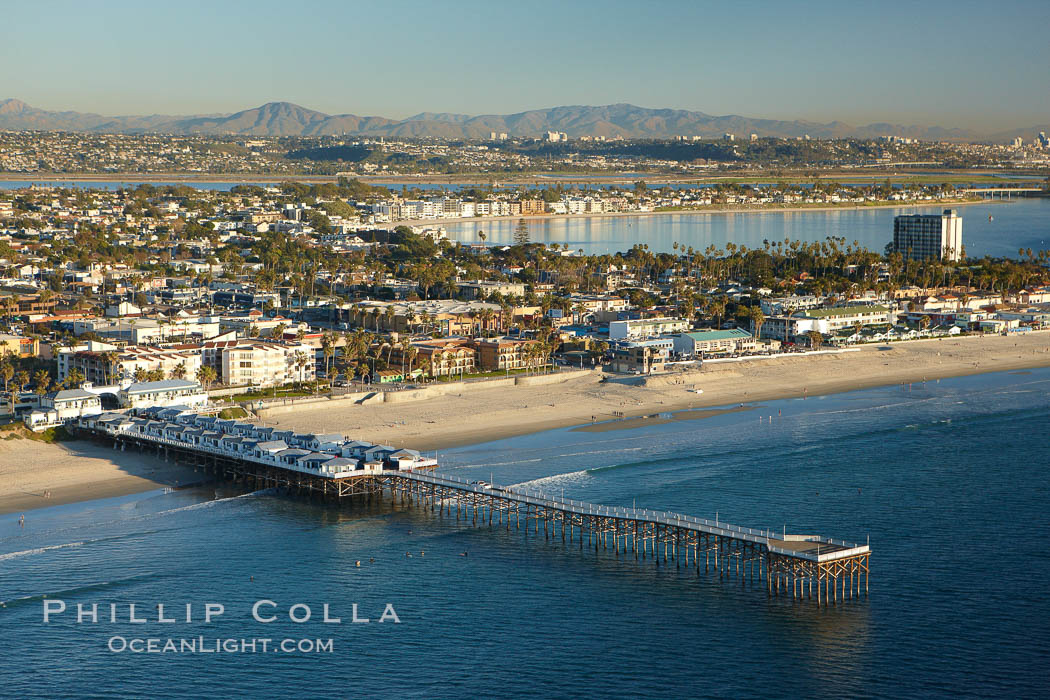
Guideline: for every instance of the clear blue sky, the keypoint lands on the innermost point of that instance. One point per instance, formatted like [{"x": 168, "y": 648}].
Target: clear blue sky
[{"x": 952, "y": 63}]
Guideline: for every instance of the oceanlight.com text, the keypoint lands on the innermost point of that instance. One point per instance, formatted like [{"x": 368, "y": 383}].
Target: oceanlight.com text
[{"x": 218, "y": 645}]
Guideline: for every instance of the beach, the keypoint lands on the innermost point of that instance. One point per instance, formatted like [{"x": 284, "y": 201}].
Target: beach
[
  {"x": 80, "y": 471},
  {"x": 481, "y": 415},
  {"x": 77, "y": 471}
]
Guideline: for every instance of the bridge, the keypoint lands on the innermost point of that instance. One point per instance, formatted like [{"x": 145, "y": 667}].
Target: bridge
[
  {"x": 1007, "y": 192},
  {"x": 813, "y": 567}
]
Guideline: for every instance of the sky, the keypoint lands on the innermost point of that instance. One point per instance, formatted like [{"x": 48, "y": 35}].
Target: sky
[{"x": 926, "y": 62}]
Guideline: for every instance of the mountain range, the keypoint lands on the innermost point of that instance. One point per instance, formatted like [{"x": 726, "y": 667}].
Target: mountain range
[{"x": 625, "y": 120}]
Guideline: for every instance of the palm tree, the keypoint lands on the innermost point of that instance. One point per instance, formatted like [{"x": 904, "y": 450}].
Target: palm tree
[
  {"x": 206, "y": 375},
  {"x": 278, "y": 331},
  {"x": 757, "y": 319},
  {"x": 815, "y": 339},
  {"x": 301, "y": 360},
  {"x": 42, "y": 380},
  {"x": 179, "y": 371},
  {"x": 75, "y": 378},
  {"x": 7, "y": 372},
  {"x": 328, "y": 348},
  {"x": 21, "y": 379}
]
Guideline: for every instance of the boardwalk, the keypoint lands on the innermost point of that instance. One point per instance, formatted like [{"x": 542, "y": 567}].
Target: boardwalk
[{"x": 802, "y": 566}]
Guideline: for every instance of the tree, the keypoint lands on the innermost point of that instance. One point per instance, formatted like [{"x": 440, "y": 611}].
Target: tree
[
  {"x": 7, "y": 373},
  {"x": 21, "y": 379},
  {"x": 206, "y": 375},
  {"x": 42, "y": 380},
  {"x": 328, "y": 348},
  {"x": 75, "y": 378},
  {"x": 179, "y": 371},
  {"x": 757, "y": 319},
  {"x": 521, "y": 233},
  {"x": 815, "y": 339}
]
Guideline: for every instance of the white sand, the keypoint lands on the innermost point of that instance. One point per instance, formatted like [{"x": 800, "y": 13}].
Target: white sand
[
  {"x": 77, "y": 471},
  {"x": 495, "y": 413}
]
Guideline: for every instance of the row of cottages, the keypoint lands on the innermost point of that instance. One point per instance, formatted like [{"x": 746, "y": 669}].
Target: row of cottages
[{"x": 326, "y": 454}]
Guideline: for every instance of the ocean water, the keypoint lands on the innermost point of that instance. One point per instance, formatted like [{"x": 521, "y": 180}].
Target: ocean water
[
  {"x": 1020, "y": 223},
  {"x": 948, "y": 479}
]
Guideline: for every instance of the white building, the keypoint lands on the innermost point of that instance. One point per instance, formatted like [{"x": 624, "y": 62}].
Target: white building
[
  {"x": 169, "y": 392},
  {"x": 58, "y": 407},
  {"x": 646, "y": 328}
]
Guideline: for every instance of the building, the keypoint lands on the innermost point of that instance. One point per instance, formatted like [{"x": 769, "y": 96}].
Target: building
[
  {"x": 121, "y": 366},
  {"x": 260, "y": 363},
  {"x": 59, "y": 407},
  {"x": 497, "y": 354},
  {"x": 636, "y": 328},
  {"x": 19, "y": 346},
  {"x": 444, "y": 358},
  {"x": 169, "y": 392},
  {"x": 925, "y": 236},
  {"x": 706, "y": 342},
  {"x": 641, "y": 357}
]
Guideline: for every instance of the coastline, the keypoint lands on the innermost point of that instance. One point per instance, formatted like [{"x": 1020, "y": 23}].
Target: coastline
[
  {"x": 77, "y": 471},
  {"x": 81, "y": 471},
  {"x": 762, "y": 209},
  {"x": 484, "y": 415}
]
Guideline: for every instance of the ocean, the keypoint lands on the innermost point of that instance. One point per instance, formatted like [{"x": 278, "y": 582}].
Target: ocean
[{"x": 947, "y": 478}]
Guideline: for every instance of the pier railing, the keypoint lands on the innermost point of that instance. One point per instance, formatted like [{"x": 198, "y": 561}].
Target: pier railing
[{"x": 839, "y": 548}]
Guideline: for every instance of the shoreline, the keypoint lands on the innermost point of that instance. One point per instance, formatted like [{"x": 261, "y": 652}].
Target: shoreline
[
  {"x": 708, "y": 212},
  {"x": 82, "y": 471},
  {"x": 78, "y": 471},
  {"x": 453, "y": 421}
]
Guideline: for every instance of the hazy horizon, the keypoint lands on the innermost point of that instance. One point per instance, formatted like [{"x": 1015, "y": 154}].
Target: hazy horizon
[{"x": 951, "y": 64}]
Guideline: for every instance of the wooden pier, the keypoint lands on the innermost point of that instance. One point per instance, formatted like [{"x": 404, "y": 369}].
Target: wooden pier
[{"x": 820, "y": 569}]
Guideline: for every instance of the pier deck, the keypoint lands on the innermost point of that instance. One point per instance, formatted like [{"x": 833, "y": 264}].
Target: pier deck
[{"x": 808, "y": 566}]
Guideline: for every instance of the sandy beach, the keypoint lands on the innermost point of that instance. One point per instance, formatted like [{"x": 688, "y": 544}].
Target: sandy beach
[
  {"x": 491, "y": 414},
  {"x": 77, "y": 471},
  {"x": 81, "y": 471}
]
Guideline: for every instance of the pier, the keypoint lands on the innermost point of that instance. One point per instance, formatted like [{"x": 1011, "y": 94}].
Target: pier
[{"x": 823, "y": 570}]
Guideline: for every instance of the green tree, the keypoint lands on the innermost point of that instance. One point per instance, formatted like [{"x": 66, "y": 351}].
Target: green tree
[{"x": 521, "y": 233}]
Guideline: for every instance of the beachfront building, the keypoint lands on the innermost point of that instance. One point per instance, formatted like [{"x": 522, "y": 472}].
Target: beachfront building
[
  {"x": 59, "y": 407},
  {"x": 824, "y": 321},
  {"x": 926, "y": 236},
  {"x": 830, "y": 320},
  {"x": 498, "y": 354},
  {"x": 640, "y": 357},
  {"x": 446, "y": 358},
  {"x": 260, "y": 363},
  {"x": 707, "y": 342},
  {"x": 638, "y": 328},
  {"x": 168, "y": 392}
]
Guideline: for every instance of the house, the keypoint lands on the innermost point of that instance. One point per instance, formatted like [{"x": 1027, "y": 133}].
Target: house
[
  {"x": 59, "y": 407},
  {"x": 168, "y": 392}
]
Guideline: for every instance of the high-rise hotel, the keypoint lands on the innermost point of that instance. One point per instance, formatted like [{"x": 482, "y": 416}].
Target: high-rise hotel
[{"x": 924, "y": 236}]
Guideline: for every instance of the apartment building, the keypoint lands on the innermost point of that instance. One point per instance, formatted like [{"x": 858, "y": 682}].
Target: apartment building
[
  {"x": 497, "y": 354},
  {"x": 260, "y": 363},
  {"x": 925, "y": 236},
  {"x": 636, "y": 328}
]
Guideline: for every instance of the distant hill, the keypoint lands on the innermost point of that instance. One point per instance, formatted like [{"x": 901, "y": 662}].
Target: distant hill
[{"x": 625, "y": 120}]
